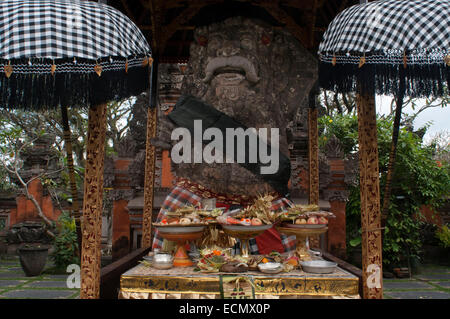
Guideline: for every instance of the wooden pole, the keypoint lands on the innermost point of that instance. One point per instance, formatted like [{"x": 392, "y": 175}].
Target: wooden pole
[
  {"x": 370, "y": 197},
  {"x": 150, "y": 158},
  {"x": 313, "y": 154},
  {"x": 93, "y": 204}
]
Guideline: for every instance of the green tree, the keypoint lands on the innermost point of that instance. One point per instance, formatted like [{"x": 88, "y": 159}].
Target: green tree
[{"x": 418, "y": 180}]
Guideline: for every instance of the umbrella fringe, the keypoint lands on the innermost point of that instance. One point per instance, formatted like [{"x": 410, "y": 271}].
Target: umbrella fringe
[
  {"x": 43, "y": 91},
  {"x": 420, "y": 80}
]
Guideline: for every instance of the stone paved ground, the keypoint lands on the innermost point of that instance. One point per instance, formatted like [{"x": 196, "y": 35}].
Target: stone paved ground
[
  {"x": 433, "y": 282},
  {"x": 15, "y": 285}
]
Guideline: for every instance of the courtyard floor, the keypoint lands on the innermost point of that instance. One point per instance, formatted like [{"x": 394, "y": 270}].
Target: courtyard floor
[{"x": 433, "y": 282}]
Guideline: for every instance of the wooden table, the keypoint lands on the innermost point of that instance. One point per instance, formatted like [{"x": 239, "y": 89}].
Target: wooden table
[{"x": 143, "y": 282}]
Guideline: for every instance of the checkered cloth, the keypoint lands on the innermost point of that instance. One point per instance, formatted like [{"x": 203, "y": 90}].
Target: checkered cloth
[
  {"x": 388, "y": 47},
  {"x": 180, "y": 197},
  {"x": 57, "y": 29},
  {"x": 390, "y": 27},
  {"x": 73, "y": 53}
]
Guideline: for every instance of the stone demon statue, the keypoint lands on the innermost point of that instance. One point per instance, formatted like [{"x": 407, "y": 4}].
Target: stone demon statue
[{"x": 258, "y": 77}]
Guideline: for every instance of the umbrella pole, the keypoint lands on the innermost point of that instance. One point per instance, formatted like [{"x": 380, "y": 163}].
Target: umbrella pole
[
  {"x": 93, "y": 204},
  {"x": 370, "y": 197},
  {"x": 313, "y": 153},
  {"x": 150, "y": 157},
  {"x": 73, "y": 186}
]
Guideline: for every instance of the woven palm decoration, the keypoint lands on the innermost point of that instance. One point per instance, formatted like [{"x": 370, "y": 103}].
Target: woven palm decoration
[
  {"x": 72, "y": 53},
  {"x": 382, "y": 43}
]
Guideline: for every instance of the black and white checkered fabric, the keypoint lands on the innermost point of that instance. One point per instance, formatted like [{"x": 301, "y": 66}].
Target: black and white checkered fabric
[
  {"x": 58, "y": 29},
  {"x": 74, "y": 53},
  {"x": 387, "y": 30},
  {"x": 388, "y": 47}
]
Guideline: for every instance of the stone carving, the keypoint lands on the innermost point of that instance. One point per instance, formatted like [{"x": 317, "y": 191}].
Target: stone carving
[
  {"x": 324, "y": 172},
  {"x": 265, "y": 84},
  {"x": 28, "y": 232},
  {"x": 333, "y": 148},
  {"x": 127, "y": 147},
  {"x": 118, "y": 194},
  {"x": 351, "y": 168},
  {"x": 108, "y": 172},
  {"x": 336, "y": 195},
  {"x": 136, "y": 170}
]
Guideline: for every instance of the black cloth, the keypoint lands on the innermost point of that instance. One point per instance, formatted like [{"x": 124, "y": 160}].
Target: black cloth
[{"x": 188, "y": 109}]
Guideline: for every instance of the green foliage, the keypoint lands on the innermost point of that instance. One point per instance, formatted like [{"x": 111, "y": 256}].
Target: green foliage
[
  {"x": 66, "y": 244},
  {"x": 443, "y": 234},
  {"x": 418, "y": 180}
]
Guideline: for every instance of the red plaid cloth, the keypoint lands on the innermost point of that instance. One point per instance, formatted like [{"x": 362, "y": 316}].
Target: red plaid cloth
[{"x": 265, "y": 243}]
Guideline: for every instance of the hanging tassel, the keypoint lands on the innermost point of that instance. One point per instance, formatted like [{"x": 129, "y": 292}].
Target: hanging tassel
[
  {"x": 98, "y": 69},
  {"x": 333, "y": 61},
  {"x": 362, "y": 61},
  {"x": 145, "y": 62},
  {"x": 447, "y": 59},
  {"x": 8, "y": 69},
  {"x": 126, "y": 66},
  {"x": 53, "y": 68},
  {"x": 150, "y": 61}
]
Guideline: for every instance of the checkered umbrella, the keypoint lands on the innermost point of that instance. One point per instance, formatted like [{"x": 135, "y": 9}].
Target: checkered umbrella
[
  {"x": 74, "y": 53},
  {"x": 382, "y": 43}
]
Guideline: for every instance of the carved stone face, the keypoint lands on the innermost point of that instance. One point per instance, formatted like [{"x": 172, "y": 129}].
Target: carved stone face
[{"x": 259, "y": 76}]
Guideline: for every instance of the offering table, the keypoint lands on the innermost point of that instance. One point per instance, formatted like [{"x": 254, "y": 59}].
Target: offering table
[{"x": 143, "y": 282}]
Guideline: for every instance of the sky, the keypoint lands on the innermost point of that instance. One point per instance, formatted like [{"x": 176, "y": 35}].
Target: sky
[{"x": 438, "y": 117}]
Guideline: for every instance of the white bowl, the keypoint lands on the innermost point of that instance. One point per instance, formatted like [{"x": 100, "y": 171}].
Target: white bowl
[
  {"x": 270, "y": 267},
  {"x": 163, "y": 258}
]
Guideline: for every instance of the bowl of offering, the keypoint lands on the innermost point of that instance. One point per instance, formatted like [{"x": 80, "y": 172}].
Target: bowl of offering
[
  {"x": 270, "y": 267},
  {"x": 162, "y": 261}
]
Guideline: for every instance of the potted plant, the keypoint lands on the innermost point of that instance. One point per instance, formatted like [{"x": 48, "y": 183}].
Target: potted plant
[
  {"x": 33, "y": 243},
  {"x": 32, "y": 258}
]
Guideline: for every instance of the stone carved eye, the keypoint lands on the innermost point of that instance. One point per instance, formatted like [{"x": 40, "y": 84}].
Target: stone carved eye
[
  {"x": 246, "y": 42},
  {"x": 214, "y": 44}
]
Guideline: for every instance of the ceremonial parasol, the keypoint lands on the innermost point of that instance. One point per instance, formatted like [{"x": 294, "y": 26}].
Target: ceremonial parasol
[
  {"x": 79, "y": 54},
  {"x": 393, "y": 47}
]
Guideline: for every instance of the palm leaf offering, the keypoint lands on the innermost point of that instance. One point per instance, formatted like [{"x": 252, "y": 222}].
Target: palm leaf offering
[
  {"x": 215, "y": 236},
  {"x": 259, "y": 212}
]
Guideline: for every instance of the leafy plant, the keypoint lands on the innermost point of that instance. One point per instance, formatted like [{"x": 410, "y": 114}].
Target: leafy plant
[
  {"x": 443, "y": 234},
  {"x": 65, "y": 244},
  {"x": 418, "y": 180}
]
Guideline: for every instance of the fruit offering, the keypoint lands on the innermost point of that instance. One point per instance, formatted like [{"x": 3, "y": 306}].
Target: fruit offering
[
  {"x": 257, "y": 214},
  {"x": 307, "y": 215},
  {"x": 189, "y": 215}
]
